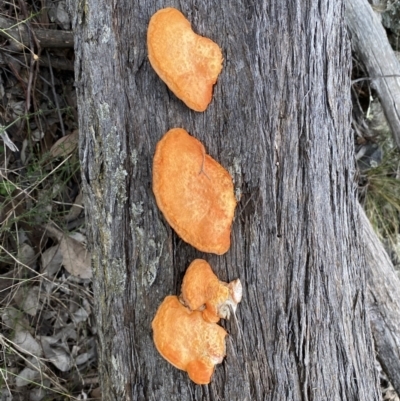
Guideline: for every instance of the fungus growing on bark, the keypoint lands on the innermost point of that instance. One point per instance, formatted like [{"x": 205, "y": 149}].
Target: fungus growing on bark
[
  {"x": 188, "y": 63},
  {"x": 187, "y": 341},
  {"x": 201, "y": 290},
  {"x": 194, "y": 192}
]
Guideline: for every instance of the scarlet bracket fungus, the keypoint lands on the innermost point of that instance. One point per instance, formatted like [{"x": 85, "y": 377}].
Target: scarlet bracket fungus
[
  {"x": 188, "y": 63},
  {"x": 185, "y": 333},
  {"x": 201, "y": 290},
  {"x": 194, "y": 192},
  {"x": 187, "y": 341}
]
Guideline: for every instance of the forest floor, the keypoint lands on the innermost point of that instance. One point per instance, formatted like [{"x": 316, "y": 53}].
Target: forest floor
[{"x": 48, "y": 333}]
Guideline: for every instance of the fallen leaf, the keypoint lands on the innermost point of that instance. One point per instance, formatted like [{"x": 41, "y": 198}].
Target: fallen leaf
[
  {"x": 26, "y": 376},
  {"x": 14, "y": 320},
  {"x": 82, "y": 358},
  {"x": 65, "y": 145},
  {"x": 76, "y": 208},
  {"x": 76, "y": 259},
  {"x": 31, "y": 373},
  {"x": 79, "y": 237},
  {"x": 7, "y": 141},
  {"x": 51, "y": 261},
  {"x": 96, "y": 393},
  {"x": 80, "y": 316},
  {"x": 56, "y": 353},
  {"x": 28, "y": 299},
  {"x": 38, "y": 393},
  {"x": 27, "y": 343},
  {"x": 26, "y": 255}
]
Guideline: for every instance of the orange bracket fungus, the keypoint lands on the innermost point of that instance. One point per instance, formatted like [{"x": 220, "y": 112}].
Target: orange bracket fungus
[
  {"x": 188, "y": 63},
  {"x": 194, "y": 192},
  {"x": 187, "y": 341},
  {"x": 190, "y": 339},
  {"x": 201, "y": 290}
]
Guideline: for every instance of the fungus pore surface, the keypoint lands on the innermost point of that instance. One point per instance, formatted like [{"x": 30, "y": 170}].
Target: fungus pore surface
[
  {"x": 203, "y": 291},
  {"x": 187, "y": 341},
  {"x": 188, "y": 63},
  {"x": 194, "y": 192}
]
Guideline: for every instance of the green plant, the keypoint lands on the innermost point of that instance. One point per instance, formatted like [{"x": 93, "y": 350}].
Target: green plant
[{"x": 380, "y": 196}]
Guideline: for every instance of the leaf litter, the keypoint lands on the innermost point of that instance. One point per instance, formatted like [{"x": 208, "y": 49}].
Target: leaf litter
[{"x": 47, "y": 334}]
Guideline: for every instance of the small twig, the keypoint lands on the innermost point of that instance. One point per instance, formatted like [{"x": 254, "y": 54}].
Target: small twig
[
  {"x": 56, "y": 62},
  {"x": 48, "y": 38},
  {"x": 33, "y": 67},
  {"x": 372, "y": 78},
  {"x": 53, "y": 88}
]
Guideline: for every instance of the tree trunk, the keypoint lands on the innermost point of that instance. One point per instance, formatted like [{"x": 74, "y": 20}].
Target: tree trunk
[{"x": 280, "y": 123}]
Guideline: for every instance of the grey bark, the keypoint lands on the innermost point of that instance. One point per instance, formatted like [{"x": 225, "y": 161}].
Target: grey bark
[
  {"x": 280, "y": 122},
  {"x": 371, "y": 44},
  {"x": 384, "y": 304}
]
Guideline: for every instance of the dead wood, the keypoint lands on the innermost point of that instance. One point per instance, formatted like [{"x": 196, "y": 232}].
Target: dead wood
[
  {"x": 55, "y": 61},
  {"x": 19, "y": 35},
  {"x": 280, "y": 123},
  {"x": 384, "y": 303},
  {"x": 370, "y": 43}
]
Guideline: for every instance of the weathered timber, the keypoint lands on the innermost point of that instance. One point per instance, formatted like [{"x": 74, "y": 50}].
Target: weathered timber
[
  {"x": 384, "y": 303},
  {"x": 55, "y": 62},
  {"x": 371, "y": 45},
  {"x": 280, "y": 122},
  {"x": 19, "y": 36}
]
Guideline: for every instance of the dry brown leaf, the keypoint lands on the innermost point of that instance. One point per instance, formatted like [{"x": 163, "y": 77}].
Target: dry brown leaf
[
  {"x": 27, "y": 298},
  {"x": 51, "y": 261},
  {"x": 27, "y": 256},
  {"x": 27, "y": 376},
  {"x": 27, "y": 343},
  {"x": 65, "y": 145},
  {"x": 76, "y": 208},
  {"x": 15, "y": 320},
  {"x": 96, "y": 393},
  {"x": 76, "y": 259},
  {"x": 57, "y": 353}
]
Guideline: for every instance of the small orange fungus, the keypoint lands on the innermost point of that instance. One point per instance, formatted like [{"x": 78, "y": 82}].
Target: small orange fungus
[
  {"x": 188, "y": 63},
  {"x": 194, "y": 192},
  {"x": 185, "y": 330},
  {"x": 187, "y": 341},
  {"x": 201, "y": 290}
]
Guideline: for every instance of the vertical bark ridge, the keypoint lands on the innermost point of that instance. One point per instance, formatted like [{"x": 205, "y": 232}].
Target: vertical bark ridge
[{"x": 279, "y": 121}]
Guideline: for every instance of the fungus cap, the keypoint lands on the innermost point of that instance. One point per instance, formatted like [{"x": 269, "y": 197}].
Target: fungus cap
[
  {"x": 187, "y": 341},
  {"x": 194, "y": 192},
  {"x": 188, "y": 63},
  {"x": 203, "y": 291}
]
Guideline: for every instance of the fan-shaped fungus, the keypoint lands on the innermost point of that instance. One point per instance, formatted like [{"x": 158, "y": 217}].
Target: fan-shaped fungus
[
  {"x": 188, "y": 63},
  {"x": 194, "y": 192},
  {"x": 187, "y": 341},
  {"x": 201, "y": 290}
]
